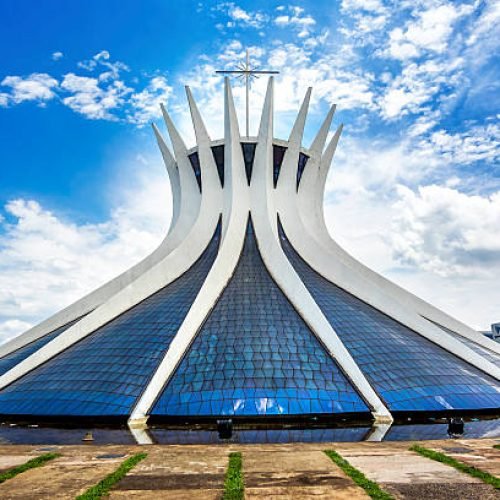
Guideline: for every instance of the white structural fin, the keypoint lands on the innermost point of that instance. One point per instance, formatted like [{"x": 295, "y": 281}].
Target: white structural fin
[
  {"x": 319, "y": 141},
  {"x": 173, "y": 175},
  {"x": 327, "y": 263},
  {"x": 310, "y": 203},
  {"x": 236, "y": 207},
  {"x": 288, "y": 172},
  {"x": 186, "y": 201},
  {"x": 285, "y": 276},
  {"x": 165, "y": 271}
]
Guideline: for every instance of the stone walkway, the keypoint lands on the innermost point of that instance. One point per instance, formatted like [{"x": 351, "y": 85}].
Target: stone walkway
[{"x": 286, "y": 471}]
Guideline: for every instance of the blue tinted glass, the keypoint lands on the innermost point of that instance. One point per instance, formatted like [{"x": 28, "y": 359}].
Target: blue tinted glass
[
  {"x": 278, "y": 155},
  {"x": 218, "y": 152},
  {"x": 195, "y": 163},
  {"x": 248, "y": 149},
  {"x": 302, "y": 165},
  {"x": 104, "y": 373},
  {"x": 409, "y": 372},
  {"x": 489, "y": 355},
  {"x": 10, "y": 360},
  {"x": 256, "y": 356}
]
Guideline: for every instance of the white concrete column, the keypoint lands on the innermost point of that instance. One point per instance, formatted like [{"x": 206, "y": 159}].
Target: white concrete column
[
  {"x": 174, "y": 265},
  {"x": 235, "y": 208},
  {"x": 310, "y": 202},
  {"x": 329, "y": 264},
  {"x": 186, "y": 201},
  {"x": 265, "y": 223}
]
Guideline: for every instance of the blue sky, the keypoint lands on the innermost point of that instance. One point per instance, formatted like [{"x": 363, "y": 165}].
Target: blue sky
[{"x": 414, "y": 190}]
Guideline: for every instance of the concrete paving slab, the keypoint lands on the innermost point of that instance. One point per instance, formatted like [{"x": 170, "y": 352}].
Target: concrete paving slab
[
  {"x": 183, "y": 494},
  {"x": 294, "y": 470},
  {"x": 299, "y": 474},
  {"x": 477, "y": 454},
  {"x": 168, "y": 471},
  {"x": 410, "y": 469},
  {"x": 9, "y": 461},
  {"x": 62, "y": 478},
  {"x": 441, "y": 491},
  {"x": 305, "y": 492}
]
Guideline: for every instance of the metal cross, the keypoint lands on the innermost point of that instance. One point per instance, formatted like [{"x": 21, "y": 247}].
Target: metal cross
[{"x": 246, "y": 72}]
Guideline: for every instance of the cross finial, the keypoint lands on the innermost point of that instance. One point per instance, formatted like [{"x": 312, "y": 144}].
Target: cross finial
[{"x": 246, "y": 72}]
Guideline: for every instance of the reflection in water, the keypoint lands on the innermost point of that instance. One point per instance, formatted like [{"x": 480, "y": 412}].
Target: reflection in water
[{"x": 10, "y": 434}]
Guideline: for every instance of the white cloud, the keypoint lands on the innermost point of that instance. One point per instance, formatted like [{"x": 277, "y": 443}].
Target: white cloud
[
  {"x": 91, "y": 99},
  {"x": 35, "y": 87},
  {"x": 442, "y": 230},
  {"x": 478, "y": 143},
  {"x": 487, "y": 25},
  {"x": 48, "y": 261},
  {"x": 12, "y": 328},
  {"x": 429, "y": 32},
  {"x": 240, "y": 17},
  {"x": 418, "y": 84},
  {"x": 103, "y": 60},
  {"x": 56, "y": 56},
  {"x": 295, "y": 18},
  {"x": 146, "y": 104},
  {"x": 372, "y": 6}
]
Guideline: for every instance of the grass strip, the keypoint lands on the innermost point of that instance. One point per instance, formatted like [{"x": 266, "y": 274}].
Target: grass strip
[
  {"x": 497, "y": 446},
  {"x": 371, "y": 488},
  {"x": 30, "y": 464},
  {"x": 233, "y": 483},
  {"x": 462, "y": 467},
  {"x": 102, "y": 488}
]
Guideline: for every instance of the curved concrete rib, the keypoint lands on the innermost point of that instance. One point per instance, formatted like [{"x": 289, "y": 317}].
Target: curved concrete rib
[
  {"x": 235, "y": 215},
  {"x": 150, "y": 281},
  {"x": 186, "y": 201},
  {"x": 265, "y": 220},
  {"x": 310, "y": 201},
  {"x": 327, "y": 263}
]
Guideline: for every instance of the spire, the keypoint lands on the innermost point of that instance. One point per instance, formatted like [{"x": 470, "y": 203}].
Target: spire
[
  {"x": 327, "y": 157},
  {"x": 178, "y": 145},
  {"x": 288, "y": 172},
  {"x": 266, "y": 120},
  {"x": 319, "y": 141},
  {"x": 198, "y": 125}
]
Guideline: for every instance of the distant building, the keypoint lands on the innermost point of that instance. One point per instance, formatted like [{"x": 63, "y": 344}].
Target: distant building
[{"x": 495, "y": 331}]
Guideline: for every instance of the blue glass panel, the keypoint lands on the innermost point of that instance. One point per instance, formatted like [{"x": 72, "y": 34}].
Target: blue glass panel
[
  {"x": 278, "y": 155},
  {"x": 10, "y": 360},
  {"x": 195, "y": 163},
  {"x": 104, "y": 373},
  {"x": 248, "y": 149},
  {"x": 256, "y": 356},
  {"x": 301, "y": 166},
  {"x": 218, "y": 152},
  {"x": 489, "y": 355},
  {"x": 409, "y": 372}
]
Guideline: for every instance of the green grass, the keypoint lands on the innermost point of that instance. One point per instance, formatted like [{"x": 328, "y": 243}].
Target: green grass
[
  {"x": 233, "y": 484},
  {"x": 371, "y": 488},
  {"x": 30, "y": 464},
  {"x": 468, "y": 469},
  {"x": 497, "y": 446},
  {"x": 102, "y": 488}
]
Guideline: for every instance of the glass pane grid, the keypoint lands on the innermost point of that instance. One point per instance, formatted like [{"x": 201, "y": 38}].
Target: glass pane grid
[
  {"x": 409, "y": 372},
  {"x": 104, "y": 373},
  {"x": 256, "y": 356},
  {"x": 12, "y": 359}
]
